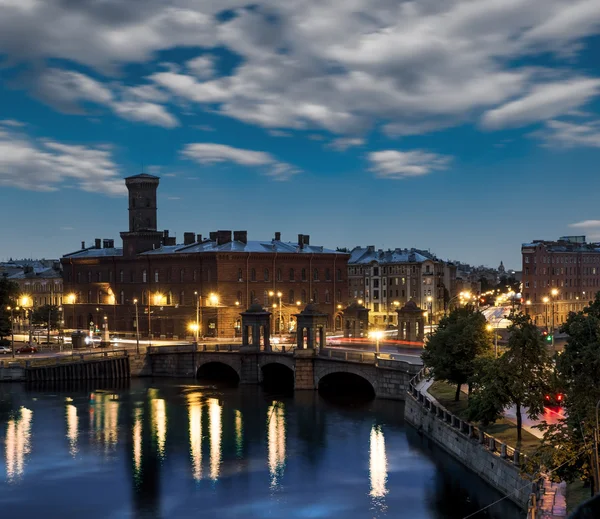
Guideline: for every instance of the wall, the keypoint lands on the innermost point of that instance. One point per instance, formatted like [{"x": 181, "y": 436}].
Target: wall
[
  {"x": 457, "y": 439},
  {"x": 12, "y": 374}
]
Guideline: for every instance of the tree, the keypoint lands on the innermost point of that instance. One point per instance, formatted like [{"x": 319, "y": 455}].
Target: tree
[
  {"x": 571, "y": 441},
  {"x": 42, "y": 315},
  {"x": 451, "y": 351},
  {"x": 519, "y": 377},
  {"x": 8, "y": 293}
]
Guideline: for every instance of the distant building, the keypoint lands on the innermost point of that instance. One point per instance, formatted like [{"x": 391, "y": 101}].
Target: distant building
[
  {"x": 568, "y": 266},
  {"x": 387, "y": 280},
  {"x": 215, "y": 278},
  {"x": 39, "y": 280}
]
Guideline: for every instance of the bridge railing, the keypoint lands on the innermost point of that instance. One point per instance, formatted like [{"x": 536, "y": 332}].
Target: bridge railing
[{"x": 32, "y": 362}]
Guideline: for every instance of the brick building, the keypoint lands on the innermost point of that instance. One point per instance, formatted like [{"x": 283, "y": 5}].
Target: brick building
[
  {"x": 387, "y": 280},
  {"x": 215, "y": 278},
  {"x": 566, "y": 272}
]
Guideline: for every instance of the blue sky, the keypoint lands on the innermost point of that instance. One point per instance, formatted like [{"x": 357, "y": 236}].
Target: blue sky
[{"x": 463, "y": 127}]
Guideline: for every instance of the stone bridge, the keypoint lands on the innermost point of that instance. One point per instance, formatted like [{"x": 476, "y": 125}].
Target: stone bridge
[{"x": 389, "y": 378}]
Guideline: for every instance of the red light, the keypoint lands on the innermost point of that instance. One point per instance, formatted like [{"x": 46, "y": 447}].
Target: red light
[
  {"x": 559, "y": 397},
  {"x": 547, "y": 397}
]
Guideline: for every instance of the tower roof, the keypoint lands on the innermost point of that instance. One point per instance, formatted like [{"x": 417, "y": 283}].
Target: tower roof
[{"x": 144, "y": 176}]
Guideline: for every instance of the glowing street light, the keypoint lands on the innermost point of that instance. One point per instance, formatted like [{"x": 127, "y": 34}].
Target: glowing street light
[
  {"x": 377, "y": 335},
  {"x": 214, "y": 299},
  {"x": 12, "y": 328},
  {"x": 554, "y": 293},
  {"x": 137, "y": 327}
]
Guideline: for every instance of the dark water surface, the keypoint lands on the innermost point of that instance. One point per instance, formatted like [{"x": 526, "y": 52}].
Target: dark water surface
[{"x": 170, "y": 449}]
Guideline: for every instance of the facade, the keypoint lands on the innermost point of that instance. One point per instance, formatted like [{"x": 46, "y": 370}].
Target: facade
[
  {"x": 559, "y": 277},
  {"x": 209, "y": 279},
  {"x": 385, "y": 280},
  {"x": 40, "y": 281}
]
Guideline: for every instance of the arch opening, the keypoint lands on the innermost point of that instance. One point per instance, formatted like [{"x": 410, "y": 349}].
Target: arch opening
[
  {"x": 346, "y": 388},
  {"x": 218, "y": 372},
  {"x": 277, "y": 378}
]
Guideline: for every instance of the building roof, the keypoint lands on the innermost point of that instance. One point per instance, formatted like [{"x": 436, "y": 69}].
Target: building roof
[
  {"x": 564, "y": 245},
  {"x": 45, "y": 273},
  {"x": 366, "y": 255},
  {"x": 143, "y": 175},
  {"x": 212, "y": 246}
]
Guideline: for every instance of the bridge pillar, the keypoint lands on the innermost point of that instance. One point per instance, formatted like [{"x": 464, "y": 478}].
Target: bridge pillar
[
  {"x": 255, "y": 320},
  {"x": 356, "y": 321},
  {"x": 250, "y": 370},
  {"x": 305, "y": 369}
]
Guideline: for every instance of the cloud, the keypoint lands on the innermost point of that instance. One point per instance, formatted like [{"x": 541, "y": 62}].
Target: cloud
[
  {"x": 279, "y": 133},
  {"x": 586, "y": 224},
  {"x": 202, "y": 67},
  {"x": 150, "y": 113},
  {"x": 343, "y": 143},
  {"x": 204, "y": 127},
  {"x": 337, "y": 66},
  {"x": 209, "y": 153},
  {"x": 402, "y": 164},
  {"x": 48, "y": 165},
  {"x": 543, "y": 102},
  {"x": 564, "y": 134},
  {"x": 12, "y": 123}
]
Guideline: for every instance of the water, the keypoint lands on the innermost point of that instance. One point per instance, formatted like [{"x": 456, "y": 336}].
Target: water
[{"x": 169, "y": 449}]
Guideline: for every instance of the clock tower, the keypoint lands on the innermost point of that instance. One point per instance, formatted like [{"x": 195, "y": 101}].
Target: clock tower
[{"x": 142, "y": 234}]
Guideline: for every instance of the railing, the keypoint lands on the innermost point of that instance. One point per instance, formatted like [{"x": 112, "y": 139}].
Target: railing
[
  {"x": 470, "y": 431},
  {"x": 61, "y": 359}
]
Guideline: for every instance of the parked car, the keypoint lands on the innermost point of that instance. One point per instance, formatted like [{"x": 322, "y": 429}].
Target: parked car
[
  {"x": 4, "y": 350},
  {"x": 27, "y": 349}
]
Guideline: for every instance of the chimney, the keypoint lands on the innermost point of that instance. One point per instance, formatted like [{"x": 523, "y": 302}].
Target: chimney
[
  {"x": 241, "y": 236},
  {"x": 370, "y": 248},
  {"x": 97, "y": 243},
  {"x": 166, "y": 233},
  {"x": 306, "y": 238},
  {"x": 223, "y": 237},
  {"x": 170, "y": 240},
  {"x": 198, "y": 238},
  {"x": 301, "y": 240},
  {"x": 83, "y": 245},
  {"x": 213, "y": 236},
  {"x": 188, "y": 238},
  {"x": 108, "y": 244},
  {"x": 277, "y": 236}
]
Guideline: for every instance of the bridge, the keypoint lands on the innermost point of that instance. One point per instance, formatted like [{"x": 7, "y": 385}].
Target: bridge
[{"x": 308, "y": 369}]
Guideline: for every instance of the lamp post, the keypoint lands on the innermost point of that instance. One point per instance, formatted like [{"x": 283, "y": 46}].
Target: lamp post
[
  {"x": 197, "y": 327},
  {"x": 554, "y": 293},
  {"x": 137, "y": 328},
  {"x": 278, "y": 294},
  {"x": 12, "y": 328},
  {"x": 71, "y": 299},
  {"x": 27, "y": 305},
  {"x": 430, "y": 309},
  {"x": 377, "y": 335},
  {"x": 545, "y": 301},
  {"x": 495, "y": 328}
]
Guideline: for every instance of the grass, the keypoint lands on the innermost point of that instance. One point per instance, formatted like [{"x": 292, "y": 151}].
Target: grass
[
  {"x": 503, "y": 430},
  {"x": 576, "y": 493}
]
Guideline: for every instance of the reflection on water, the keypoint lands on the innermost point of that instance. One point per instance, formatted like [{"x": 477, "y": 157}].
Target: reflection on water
[
  {"x": 378, "y": 468},
  {"x": 276, "y": 441},
  {"x": 104, "y": 418},
  {"x": 216, "y": 430},
  {"x": 137, "y": 441},
  {"x": 18, "y": 443},
  {"x": 72, "y": 428},
  {"x": 195, "y": 431},
  {"x": 239, "y": 433},
  {"x": 159, "y": 424}
]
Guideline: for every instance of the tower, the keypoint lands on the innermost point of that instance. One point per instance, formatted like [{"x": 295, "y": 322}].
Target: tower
[{"x": 142, "y": 234}]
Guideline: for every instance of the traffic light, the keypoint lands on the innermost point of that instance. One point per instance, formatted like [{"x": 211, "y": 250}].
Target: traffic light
[{"x": 549, "y": 337}]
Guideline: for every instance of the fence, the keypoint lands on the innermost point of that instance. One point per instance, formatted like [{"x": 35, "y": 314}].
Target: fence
[{"x": 60, "y": 360}]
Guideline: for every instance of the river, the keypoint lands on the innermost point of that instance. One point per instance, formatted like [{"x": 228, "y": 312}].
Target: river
[{"x": 176, "y": 449}]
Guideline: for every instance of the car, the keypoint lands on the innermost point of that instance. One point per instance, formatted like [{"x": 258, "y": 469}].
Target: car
[
  {"x": 554, "y": 399},
  {"x": 4, "y": 350},
  {"x": 27, "y": 349}
]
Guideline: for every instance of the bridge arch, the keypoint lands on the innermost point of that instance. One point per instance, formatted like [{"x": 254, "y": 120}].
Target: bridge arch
[
  {"x": 277, "y": 373},
  {"x": 346, "y": 373},
  {"x": 219, "y": 369}
]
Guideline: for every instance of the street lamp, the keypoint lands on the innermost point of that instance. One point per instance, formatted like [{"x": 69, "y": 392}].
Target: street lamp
[
  {"x": 194, "y": 328},
  {"x": 489, "y": 328},
  {"x": 278, "y": 294},
  {"x": 71, "y": 298},
  {"x": 545, "y": 300},
  {"x": 137, "y": 328},
  {"x": 27, "y": 304},
  {"x": 12, "y": 328},
  {"x": 377, "y": 335},
  {"x": 197, "y": 329},
  {"x": 430, "y": 308},
  {"x": 554, "y": 293}
]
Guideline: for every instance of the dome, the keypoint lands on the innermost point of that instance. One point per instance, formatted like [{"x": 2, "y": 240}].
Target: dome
[
  {"x": 410, "y": 307},
  {"x": 255, "y": 308}
]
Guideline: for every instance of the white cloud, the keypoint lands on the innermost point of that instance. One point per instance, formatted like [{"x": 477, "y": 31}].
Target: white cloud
[
  {"x": 543, "y": 102},
  {"x": 402, "y": 164},
  {"x": 209, "y": 153},
  {"x": 279, "y": 133},
  {"x": 12, "y": 123},
  {"x": 586, "y": 224},
  {"x": 202, "y": 67},
  {"x": 343, "y": 143},
  {"x": 150, "y": 113},
  {"x": 564, "y": 134},
  {"x": 46, "y": 165}
]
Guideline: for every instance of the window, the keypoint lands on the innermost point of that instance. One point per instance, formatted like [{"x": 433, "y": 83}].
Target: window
[
  {"x": 375, "y": 283},
  {"x": 327, "y": 298},
  {"x": 181, "y": 275},
  {"x": 122, "y": 297},
  {"x": 253, "y": 275},
  {"x": 121, "y": 276},
  {"x": 315, "y": 274},
  {"x": 144, "y": 276},
  {"x": 339, "y": 274},
  {"x": 303, "y": 299},
  {"x": 375, "y": 294},
  {"x": 99, "y": 276},
  {"x": 182, "y": 298},
  {"x": 303, "y": 276},
  {"x": 89, "y": 277},
  {"x": 376, "y": 307},
  {"x": 266, "y": 298},
  {"x": 252, "y": 297},
  {"x": 169, "y": 275},
  {"x": 79, "y": 277},
  {"x": 156, "y": 277},
  {"x": 195, "y": 275},
  {"x": 266, "y": 273},
  {"x": 239, "y": 297},
  {"x": 240, "y": 275},
  {"x": 339, "y": 296},
  {"x": 169, "y": 298},
  {"x": 110, "y": 276},
  {"x": 291, "y": 274},
  {"x": 327, "y": 275},
  {"x": 89, "y": 299},
  {"x": 278, "y": 274},
  {"x": 144, "y": 297},
  {"x": 291, "y": 297},
  {"x": 376, "y": 271}
]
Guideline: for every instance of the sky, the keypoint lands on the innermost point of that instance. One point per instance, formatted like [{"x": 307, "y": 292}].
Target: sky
[{"x": 465, "y": 127}]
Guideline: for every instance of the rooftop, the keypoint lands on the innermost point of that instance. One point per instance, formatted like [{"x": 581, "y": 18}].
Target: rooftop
[{"x": 366, "y": 255}]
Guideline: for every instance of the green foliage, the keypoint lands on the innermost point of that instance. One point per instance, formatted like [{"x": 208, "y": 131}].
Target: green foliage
[
  {"x": 578, "y": 370},
  {"x": 8, "y": 293},
  {"x": 42, "y": 314},
  {"x": 520, "y": 377},
  {"x": 451, "y": 351}
]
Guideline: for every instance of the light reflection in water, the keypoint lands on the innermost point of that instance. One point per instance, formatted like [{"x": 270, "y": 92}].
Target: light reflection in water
[
  {"x": 377, "y": 465},
  {"x": 159, "y": 424},
  {"x": 216, "y": 430},
  {"x": 72, "y": 428},
  {"x": 195, "y": 431},
  {"x": 239, "y": 432},
  {"x": 18, "y": 443},
  {"x": 104, "y": 418},
  {"x": 276, "y": 441},
  {"x": 137, "y": 441}
]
